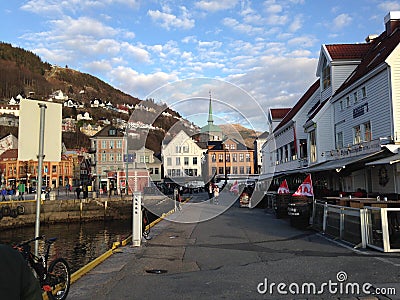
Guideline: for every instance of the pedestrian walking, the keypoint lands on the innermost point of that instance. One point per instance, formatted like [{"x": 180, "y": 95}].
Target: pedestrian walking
[
  {"x": 78, "y": 192},
  {"x": 10, "y": 194},
  {"x": 21, "y": 191},
  {"x": 3, "y": 194},
  {"x": 210, "y": 190},
  {"x": 216, "y": 194}
]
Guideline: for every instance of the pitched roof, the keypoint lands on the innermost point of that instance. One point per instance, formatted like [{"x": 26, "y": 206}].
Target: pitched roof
[
  {"x": 289, "y": 116},
  {"x": 380, "y": 48},
  {"x": 108, "y": 131},
  {"x": 348, "y": 51},
  {"x": 279, "y": 113},
  {"x": 11, "y": 154}
]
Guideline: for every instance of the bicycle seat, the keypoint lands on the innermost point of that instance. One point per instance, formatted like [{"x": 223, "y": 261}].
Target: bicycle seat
[{"x": 51, "y": 240}]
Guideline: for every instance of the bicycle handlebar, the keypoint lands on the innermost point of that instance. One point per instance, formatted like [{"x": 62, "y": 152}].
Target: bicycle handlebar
[{"x": 38, "y": 238}]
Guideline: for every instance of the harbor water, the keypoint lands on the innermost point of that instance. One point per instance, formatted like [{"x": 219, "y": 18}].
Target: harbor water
[{"x": 78, "y": 243}]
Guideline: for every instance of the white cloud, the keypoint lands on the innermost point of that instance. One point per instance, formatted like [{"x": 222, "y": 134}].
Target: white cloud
[
  {"x": 83, "y": 26},
  {"x": 139, "y": 84},
  {"x": 138, "y": 53},
  {"x": 296, "y": 24},
  {"x": 168, "y": 20},
  {"x": 240, "y": 27},
  {"x": 387, "y": 6},
  {"x": 101, "y": 66},
  {"x": 341, "y": 21},
  {"x": 216, "y": 5}
]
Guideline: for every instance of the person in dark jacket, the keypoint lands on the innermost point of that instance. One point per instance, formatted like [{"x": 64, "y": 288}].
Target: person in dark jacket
[{"x": 16, "y": 279}]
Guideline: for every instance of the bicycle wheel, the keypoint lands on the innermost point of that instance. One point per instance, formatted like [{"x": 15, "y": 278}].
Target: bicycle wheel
[
  {"x": 59, "y": 279},
  {"x": 20, "y": 209},
  {"x": 13, "y": 213}
]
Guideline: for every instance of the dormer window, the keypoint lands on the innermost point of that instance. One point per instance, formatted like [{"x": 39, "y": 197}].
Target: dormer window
[
  {"x": 112, "y": 132},
  {"x": 326, "y": 74}
]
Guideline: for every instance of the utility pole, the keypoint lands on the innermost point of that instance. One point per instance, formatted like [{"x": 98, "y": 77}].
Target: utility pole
[{"x": 42, "y": 107}]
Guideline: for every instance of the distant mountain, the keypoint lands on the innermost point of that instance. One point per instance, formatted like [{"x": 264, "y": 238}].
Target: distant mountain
[
  {"x": 24, "y": 73},
  {"x": 241, "y": 133}
]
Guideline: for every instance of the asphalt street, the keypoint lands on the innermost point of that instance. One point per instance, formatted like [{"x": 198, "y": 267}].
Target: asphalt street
[{"x": 240, "y": 253}]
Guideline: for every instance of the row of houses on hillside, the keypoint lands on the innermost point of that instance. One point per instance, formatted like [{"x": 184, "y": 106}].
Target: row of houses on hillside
[
  {"x": 345, "y": 129},
  {"x": 184, "y": 159}
]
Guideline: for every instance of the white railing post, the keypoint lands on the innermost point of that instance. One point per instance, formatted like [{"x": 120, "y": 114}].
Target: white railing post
[{"x": 325, "y": 218}]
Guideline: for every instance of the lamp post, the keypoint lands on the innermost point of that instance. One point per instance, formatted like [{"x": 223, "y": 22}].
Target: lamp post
[{"x": 226, "y": 175}]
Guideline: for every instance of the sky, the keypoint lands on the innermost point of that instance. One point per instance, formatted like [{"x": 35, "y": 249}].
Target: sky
[{"x": 249, "y": 56}]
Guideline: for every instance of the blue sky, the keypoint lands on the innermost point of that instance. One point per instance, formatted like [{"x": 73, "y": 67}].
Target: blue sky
[{"x": 265, "y": 49}]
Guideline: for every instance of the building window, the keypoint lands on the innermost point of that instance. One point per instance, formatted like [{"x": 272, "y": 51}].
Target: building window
[
  {"x": 355, "y": 97},
  {"x": 185, "y": 149},
  {"x": 169, "y": 172},
  {"x": 178, "y": 161},
  {"x": 241, "y": 170},
  {"x": 111, "y": 156},
  {"x": 341, "y": 105},
  {"x": 220, "y": 170},
  {"x": 104, "y": 144},
  {"x": 228, "y": 157},
  {"x": 248, "y": 170},
  {"x": 234, "y": 157},
  {"x": 247, "y": 157},
  {"x": 178, "y": 149},
  {"x": 220, "y": 157},
  {"x": 357, "y": 134},
  {"x": 111, "y": 144},
  {"x": 292, "y": 151},
  {"x": 213, "y": 171},
  {"x": 103, "y": 157},
  {"x": 54, "y": 169},
  {"x": 339, "y": 140},
  {"x": 232, "y": 146},
  {"x": 169, "y": 161},
  {"x": 326, "y": 74},
  {"x": 213, "y": 157},
  {"x": 363, "y": 92},
  {"x": 348, "y": 103},
  {"x": 156, "y": 171},
  {"x": 313, "y": 146},
  {"x": 194, "y": 160},
  {"x": 228, "y": 170},
  {"x": 119, "y": 156},
  {"x": 119, "y": 144},
  {"x": 367, "y": 132},
  {"x": 303, "y": 148},
  {"x": 241, "y": 157},
  {"x": 234, "y": 170},
  {"x": 186, "y": 161}
]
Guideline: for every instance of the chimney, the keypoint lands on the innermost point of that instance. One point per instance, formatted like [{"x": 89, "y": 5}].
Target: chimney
[
  {"x": 371, "y": 37},
  {"x": 392, "y": 21}
]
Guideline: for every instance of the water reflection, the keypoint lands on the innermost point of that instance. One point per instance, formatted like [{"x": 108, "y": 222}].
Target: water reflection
[{"x": 77, "y": 243}]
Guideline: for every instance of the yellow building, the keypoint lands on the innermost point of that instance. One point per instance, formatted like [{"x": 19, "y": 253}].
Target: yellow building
[{"x": 13, "y": 171}]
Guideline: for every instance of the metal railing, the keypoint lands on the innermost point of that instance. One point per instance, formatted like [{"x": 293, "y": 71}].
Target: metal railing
[
  {"x": 375, "y": 227},
  {"x": 345, "y": 223}
]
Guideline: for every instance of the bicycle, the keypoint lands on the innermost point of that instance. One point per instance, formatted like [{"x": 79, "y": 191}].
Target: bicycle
[{"x": 55, "y": 279}]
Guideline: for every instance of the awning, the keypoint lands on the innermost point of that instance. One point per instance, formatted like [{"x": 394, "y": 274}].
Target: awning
[
  {"x": 394, "y": 159},
  {"x": 344, "y": 162},
  {"x": 281, "y": 173}
]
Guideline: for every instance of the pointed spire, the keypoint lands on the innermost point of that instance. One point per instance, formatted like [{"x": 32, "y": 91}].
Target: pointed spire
[{"x": 210, "y": 116}]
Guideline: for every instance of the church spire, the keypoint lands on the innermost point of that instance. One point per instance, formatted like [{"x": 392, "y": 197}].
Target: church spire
[{"x": 210, "y": 116}]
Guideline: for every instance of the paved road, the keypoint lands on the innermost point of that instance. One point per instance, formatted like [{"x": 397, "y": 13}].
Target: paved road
[{"x": 237, "y": 255}]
